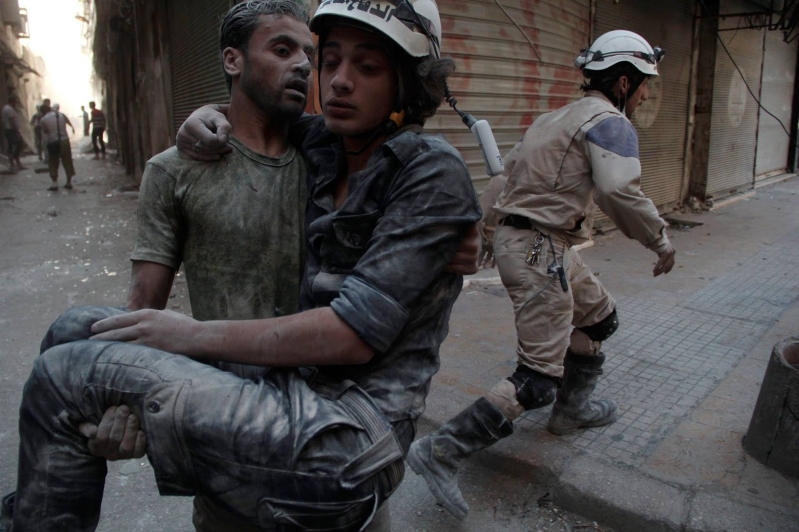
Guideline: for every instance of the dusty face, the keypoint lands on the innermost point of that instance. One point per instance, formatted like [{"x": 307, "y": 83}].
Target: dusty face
[
  {"x": 358, "y": 81},
  {"x": 274, "y": 72},
  {"x": 637, "y": 98}
]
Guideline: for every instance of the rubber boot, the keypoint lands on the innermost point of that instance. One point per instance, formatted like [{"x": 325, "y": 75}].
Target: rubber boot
[
  {"x": 573, "y": 410},
  {"x": 6, "y": 510},
  {"x": 436, "y": 457}
]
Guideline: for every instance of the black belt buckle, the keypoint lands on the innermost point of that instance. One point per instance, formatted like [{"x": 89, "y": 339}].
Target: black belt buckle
[{"x": 519, "y": 222}]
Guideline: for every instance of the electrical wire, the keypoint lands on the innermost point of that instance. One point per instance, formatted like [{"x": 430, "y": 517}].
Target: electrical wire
[
  {"x": 524, "y": 33},
  {"x": 746, "y": 83}
]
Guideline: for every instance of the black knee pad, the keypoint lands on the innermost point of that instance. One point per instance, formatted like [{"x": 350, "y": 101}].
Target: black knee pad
[
  {"x": 599, "y": 332},
  {"x": 533, "y": 389}
]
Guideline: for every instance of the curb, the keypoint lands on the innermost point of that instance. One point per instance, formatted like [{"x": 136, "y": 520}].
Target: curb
[{"x": 623, "y": 499}]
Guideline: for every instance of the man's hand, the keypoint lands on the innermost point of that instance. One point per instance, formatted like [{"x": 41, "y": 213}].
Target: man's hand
[
  {"x": 487, "y": 258},
  {"x": 205, "y": 133},
  {"x": 117, "y": 437},
  {"x": 665, "y": 261},
  {"x": 162, "y": 329},
  {"x": 465, "y": 260}
]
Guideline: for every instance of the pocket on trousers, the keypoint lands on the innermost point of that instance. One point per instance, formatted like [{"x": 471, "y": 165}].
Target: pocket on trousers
[{"x": 315, "y": 517}]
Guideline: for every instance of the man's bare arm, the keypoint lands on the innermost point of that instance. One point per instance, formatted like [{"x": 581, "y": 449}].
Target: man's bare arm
[
  {"x": 314, "y": 337},
  {"x": 150, "y": 284}
]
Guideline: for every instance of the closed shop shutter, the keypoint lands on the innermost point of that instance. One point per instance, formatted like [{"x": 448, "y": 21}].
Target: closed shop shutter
[
  {"x": 196, "y": 63},
  {"x": 661, "y": 121},
  {"x": 499, "y": 76},
  {"x": 776, "y": 94},
  {"x": 733, "y": 128}
]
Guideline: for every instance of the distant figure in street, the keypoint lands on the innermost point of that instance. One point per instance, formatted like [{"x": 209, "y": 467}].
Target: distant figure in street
[
  {"x": 98, "y": 128},
  {"x": 36, "y": 122},
  {"x": 44, "y": 109},
  {"x": 54, "y": 131},
  {"x": 13, "y": 137},
  {"x": 86, "y": 121}
]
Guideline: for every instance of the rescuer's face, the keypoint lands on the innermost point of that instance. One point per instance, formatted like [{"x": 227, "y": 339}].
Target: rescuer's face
[
  {"x": 634, "y": 100},
  {"x": 357, "y": 80}
]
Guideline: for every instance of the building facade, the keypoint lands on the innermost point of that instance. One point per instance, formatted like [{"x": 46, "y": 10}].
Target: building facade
[
  {"x": 702, "y": 132},
  {"x": 21, "y": 69}
]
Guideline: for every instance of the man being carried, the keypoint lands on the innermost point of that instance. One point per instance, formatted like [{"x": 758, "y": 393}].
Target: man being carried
[
  {"x": 584, "y": 152},
  {"x": 374, "y": 282}
]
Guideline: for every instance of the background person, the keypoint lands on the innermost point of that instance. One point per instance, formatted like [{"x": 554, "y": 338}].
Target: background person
[
  {"x": 98, "y": 129},
  {"x": 13, "y": 136},
  {"x": 54, "y": 133},
  {"x": 86, "y": 121},
  {"x": 583, "y": 153},
  {"x": 36, "y": 123}
]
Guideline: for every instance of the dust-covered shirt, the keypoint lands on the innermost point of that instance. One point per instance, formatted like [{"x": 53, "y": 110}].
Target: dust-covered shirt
[
  {"x": 236, "y": 225},
  {"x": 378, "y": 260}
]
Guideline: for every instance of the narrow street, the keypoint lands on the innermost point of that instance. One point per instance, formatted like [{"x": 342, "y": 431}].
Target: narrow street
[{"x": 70, "y": 248}]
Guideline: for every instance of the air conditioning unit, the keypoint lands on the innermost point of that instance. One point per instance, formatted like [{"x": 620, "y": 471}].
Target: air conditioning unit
[{"x": 22, "y": 30}]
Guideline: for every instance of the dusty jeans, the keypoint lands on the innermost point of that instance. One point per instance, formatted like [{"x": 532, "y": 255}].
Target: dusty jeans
[{"x": 275, "y": 451}]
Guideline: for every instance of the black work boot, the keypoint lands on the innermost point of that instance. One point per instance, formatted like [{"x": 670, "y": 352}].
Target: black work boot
[
  {"x": 6, "y": 511},
  {"x": 436, "y": 457},
  {"x": 573, "y": 410}
]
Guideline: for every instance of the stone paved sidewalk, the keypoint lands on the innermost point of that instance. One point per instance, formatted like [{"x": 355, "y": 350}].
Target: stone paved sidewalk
[{"x": 685, "y": 368}]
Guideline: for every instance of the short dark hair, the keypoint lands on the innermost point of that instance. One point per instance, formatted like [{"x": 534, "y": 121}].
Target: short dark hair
[
  {"x": 241, "y": 21},
  {"x": 423, "y": 85},
  {"x": 604, "y": 80}
]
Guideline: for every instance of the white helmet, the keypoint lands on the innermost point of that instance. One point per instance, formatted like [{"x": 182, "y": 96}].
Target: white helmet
[
  {"x": 618, "y": 46},
  {"x": 414, "y": 25}
]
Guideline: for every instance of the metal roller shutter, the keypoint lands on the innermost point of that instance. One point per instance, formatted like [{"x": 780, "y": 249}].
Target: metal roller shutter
[
  {"x": 733, "y": 129},
  {"x": 499, "y": 76},
  {"x": 776, "y": 93},
  {"x": 662, "y": 120},
  {"x": 197, "y": 76}
]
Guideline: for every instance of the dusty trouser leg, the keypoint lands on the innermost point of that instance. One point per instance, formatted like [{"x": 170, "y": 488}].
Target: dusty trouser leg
[
  {"x": 273, "y": 451},
  {"x": 60, "y": 484},
  {"x": 543, "y": 313},
  {"x": 595, "y": 320},
  {"x": 76, "y": 324},
  {"x": 437, "y": 456},
  {"x": 6, "y": 511},
  {"x": 540, "y": 346}
]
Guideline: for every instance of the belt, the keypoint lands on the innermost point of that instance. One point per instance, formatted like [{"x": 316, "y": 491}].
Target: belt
[{"x": 519, "y": 222}]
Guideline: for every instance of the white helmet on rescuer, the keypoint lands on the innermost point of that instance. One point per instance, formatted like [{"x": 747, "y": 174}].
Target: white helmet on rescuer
[
  {"x": 619, "y": 46},
  {"x": 414, "y": 25}
]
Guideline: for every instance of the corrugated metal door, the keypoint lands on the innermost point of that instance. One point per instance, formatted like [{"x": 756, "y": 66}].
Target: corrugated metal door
[
  {"x": 776, "y": 93},
  {"x": 733, "y": 128},
  {"x": 662, "y": 120},
  {"x": 500, "y": 76},
  {"x": 196, "y": 63}
]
